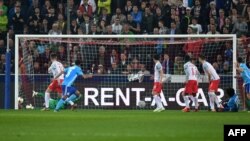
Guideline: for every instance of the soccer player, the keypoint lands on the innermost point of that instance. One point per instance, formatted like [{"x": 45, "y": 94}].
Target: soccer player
[
  {"x": 191, "y": 87},
  {"x": 69, "y": 92},
  {"x": 158, "y": 75},
  {"x": 214, "y": 81},
  {"x": 55, "y": 86},
  {"x": 245, "y": 74},
  {"x": 232, "y": 104}
]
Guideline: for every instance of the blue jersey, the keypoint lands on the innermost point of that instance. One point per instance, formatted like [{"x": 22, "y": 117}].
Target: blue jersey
[
  {"x": 233, "y": 103},
  {"x": 245, "y": 74},
  {"x": 71, "y": 74}
]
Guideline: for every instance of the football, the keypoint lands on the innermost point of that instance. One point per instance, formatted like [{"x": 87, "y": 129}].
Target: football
[
  {"x": 141, "y": 104},
  {"x": 29, "y": 107}
]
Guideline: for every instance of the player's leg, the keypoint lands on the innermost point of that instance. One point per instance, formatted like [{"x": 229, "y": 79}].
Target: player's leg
[
  {"x": 50, "y": 88},
  {"x": 215, "y": 89},
  {"x": 247, "y": 91},
  {"x": 186, "y": 94},
  {"x": 62, "y": 100},
  {"x": 193, "y": 96},
  {"x": 156, "y": 94}
]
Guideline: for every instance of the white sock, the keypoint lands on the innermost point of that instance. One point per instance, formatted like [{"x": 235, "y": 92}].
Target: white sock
[
  {"x": 216, "y": 100},
  {"x": 186, "y": 101},
  {"x": 46, "y": 99},
  {"x": 195, "y": 102},
  {"x": 158, "y": 101},
  {"x": 69, "y": 101},
  {"x": 211, "y": 100}
]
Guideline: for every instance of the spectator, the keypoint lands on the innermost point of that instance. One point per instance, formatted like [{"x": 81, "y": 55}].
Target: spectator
[
  {"x": 241, "y": 7},
  {"x": 128, "y": 7},
  {"x": 212, "y": 10},
  {"x": 117, "y": 27},
  {"x": 234, "y": 16},
  {"x": 114, "y": 69},
  {"x": 226, "y": 67},
  {"x": 225, "y": 30},
  {"x": 135, "y": 65},
  {"x": 104, "y": 4},
  {"x": 104, "y": 16},
  {"x": 143, "y": 70},
  {"x": 126, "y": 29},
  {"x": 186, "y": 20},
  {"x": 51, "y": 17},
  {"x": 85, "y": 8},
  {"x": 3, "y": 17},
  {"x": 119, "y": 15},
  {"x": 137, "y": 15},
  {"x": 148, "y": 21},
  {"x": 133, "y": 26},
  {"x": 73, "y": 27},
  {"x": 101, "y": 69},
  {"x": 162, "y": 28},
  {"x": 102, "y": 58},
  {"x": 18, "y": 20},
  {"x": 79, "y": 18},
  {"x": 60, "y": 9},
  {"x": 197, "y": 10},
  {"x": 167, "y": 65},
  {"x": 228, "y": 53},
  {"x": 197, "y": 27},
  {"x": 44, "y": 59},
  {"x": 102, "y": 27},
  {"x": 240, "y": 27},
  {"x": 44, "y": 28},
  {"x": 2, "y": 47},
  {"x": 153, "y": 6},
  {"x": 177, "y": 22},
  {"x": 62, "y": 54},
  {"x": 93, "y": 30},
  {"x": 178, "y": 65},
  {"x": 228, "y": 24},
  {"x": 109, "y": 31},
  {"x": 55, "y": 30},
  {"x": 158, "y": 15},
  {"x": 218, "y": 65},
  {"x": 92, "y": 3},
  {"x": 212, "y": 29},
  {"x": 37, "y": 69},
  {"x": 46, "y": 7},
  {"x": 2, "y": 63},
  {"x": 173, "y": 30},
  {"x": 123, "y": 62},
  {"x": 221, "y": 19},
  {"x": 166, "y": 10},
  {"x": 61, "y": 23},
  {"x": 85, "y": 26}
]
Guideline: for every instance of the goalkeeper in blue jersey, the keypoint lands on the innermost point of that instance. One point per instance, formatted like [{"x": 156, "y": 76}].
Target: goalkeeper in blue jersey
[
  {"x": 245, "y": 74},
  {"x": 53, "y": 102},
  {"x": 69, "y": 92},
  {"x": 232, "y": 104}
]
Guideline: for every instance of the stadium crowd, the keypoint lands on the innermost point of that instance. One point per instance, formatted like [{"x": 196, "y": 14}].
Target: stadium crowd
[{"x": 122, "y": 17}]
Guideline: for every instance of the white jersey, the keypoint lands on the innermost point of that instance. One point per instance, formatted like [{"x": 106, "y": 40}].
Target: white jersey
[
  {"x": 208, "y": 68},
  {"x": 55, "y": 68},
  {"x": 157, "y": 72},
  {"x": 191, "y": 71}
]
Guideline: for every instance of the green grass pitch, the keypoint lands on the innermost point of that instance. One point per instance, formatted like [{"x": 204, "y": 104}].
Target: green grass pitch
[{"x": 115, "y": 125}]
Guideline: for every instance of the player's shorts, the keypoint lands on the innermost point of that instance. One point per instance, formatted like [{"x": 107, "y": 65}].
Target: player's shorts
[
  {"x": 68, "y": 90},
  {"x": 191, "y": 87},
  {"x": 55, "y": 86},
  {"x": 157, "y": 87},
  {"x": 247, "y": 88},
  {"x": 214, "y": 85}
]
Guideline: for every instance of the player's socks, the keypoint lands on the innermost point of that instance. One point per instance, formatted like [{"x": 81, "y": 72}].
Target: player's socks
[
  {"x": 157, "y": 101},
  {"x": 46, "y": 99},
  {"x": 59, "y": 104},
  {"x": 186, "y": 101},
  {"x": 71, "y": 99},
  {"x": 211, "y": 100},
  {"x": 195, "y": 100},
  {"x": 216, "y": 100}
]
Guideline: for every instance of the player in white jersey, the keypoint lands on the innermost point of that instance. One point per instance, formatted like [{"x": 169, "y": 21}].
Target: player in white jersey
[
  {"x": 191, "y": 87},
  {"x": 214, "y": 81},
  {"x": 55, "y": 68},
  {"x": 158, "y": 75}
]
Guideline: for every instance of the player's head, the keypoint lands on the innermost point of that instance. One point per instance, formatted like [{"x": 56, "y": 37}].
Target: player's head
[
  {"x": 230, "y": 91},
  {"x": 53, "y": 56},
  {"x": 201, "y": 58},
  {"x": 77, "y": 62},
  {"x": 156, "y": 58},
  {"x": 239, "y": 60}
]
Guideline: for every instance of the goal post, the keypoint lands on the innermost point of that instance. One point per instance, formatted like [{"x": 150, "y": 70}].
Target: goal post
[{"x": 137, "y": 48}]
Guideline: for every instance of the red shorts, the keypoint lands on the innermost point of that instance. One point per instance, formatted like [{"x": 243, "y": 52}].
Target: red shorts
[
  {"x": 157, "y": 87},
  {"x": 191, "y": 87},
  {"x": 55, "y": 86},
  {"x": 214, "y": 85}
]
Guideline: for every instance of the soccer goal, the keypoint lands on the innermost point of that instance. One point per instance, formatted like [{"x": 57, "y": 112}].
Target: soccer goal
[{"x": 122, "y": 67}]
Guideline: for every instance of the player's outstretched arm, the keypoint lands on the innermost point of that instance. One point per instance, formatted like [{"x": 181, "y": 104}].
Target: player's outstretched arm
[
  {"x": 86, "y": 76},
  {"x": 161, "y": 75}
]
